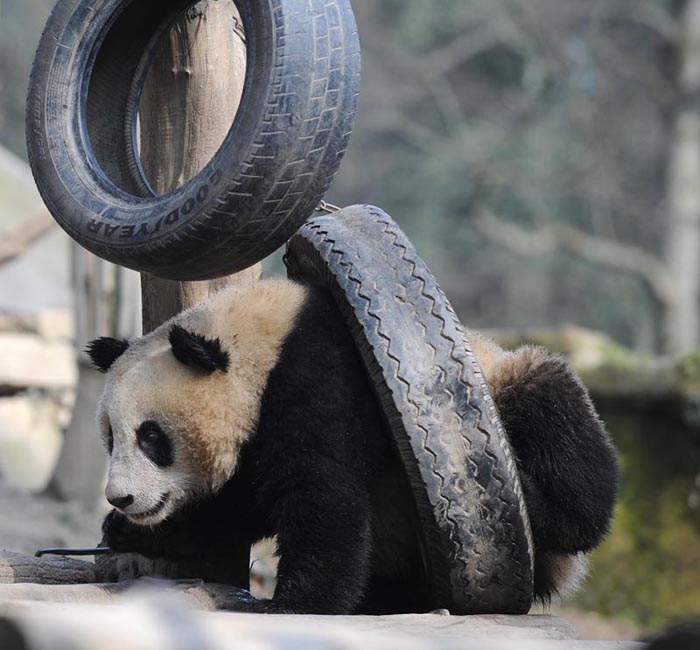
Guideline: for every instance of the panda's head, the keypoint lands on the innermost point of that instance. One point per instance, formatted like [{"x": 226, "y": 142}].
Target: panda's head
[{"x": 180, "y": 402}]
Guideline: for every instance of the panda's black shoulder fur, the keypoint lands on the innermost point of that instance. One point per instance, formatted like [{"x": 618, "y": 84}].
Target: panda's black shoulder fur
[{"x": 318, "y": 448}]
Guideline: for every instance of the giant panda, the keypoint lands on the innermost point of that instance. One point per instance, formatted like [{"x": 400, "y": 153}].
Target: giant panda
[{"x": 252, "y": 415}]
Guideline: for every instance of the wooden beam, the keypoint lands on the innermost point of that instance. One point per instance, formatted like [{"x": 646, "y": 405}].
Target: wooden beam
[
  {"x": 163, "y": 299},
  {"x": 190, "y": 99},
  {"x": 19, "y": 568}
]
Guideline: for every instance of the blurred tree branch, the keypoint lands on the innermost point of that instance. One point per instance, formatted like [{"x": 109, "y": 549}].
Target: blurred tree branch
[
  {"x": 465, "y": 47},
  {"x": 563, "y": 115},
  {"x": 597, "y": 250}
]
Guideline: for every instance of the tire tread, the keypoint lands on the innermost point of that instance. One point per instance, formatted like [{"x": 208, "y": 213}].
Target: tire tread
[{"x": 368, "y": 284}]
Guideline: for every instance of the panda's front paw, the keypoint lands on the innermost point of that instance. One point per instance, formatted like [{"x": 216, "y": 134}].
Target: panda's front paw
[{"x": 123, "y": 536}]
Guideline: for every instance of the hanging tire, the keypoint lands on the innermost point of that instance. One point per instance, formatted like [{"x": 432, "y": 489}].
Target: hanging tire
[
  {"x": 273, "y": 168},
  {"x": 476, "y": 539}
]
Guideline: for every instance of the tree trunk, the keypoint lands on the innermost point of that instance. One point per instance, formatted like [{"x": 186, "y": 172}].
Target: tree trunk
[
  {"x": 188, "y": 105},
  {"x": 682, "y": 321}
]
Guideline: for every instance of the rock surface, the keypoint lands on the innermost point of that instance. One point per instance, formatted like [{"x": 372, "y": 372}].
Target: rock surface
[
  {"x": 49, "y": 590},
  {"x": 165, "y": 623}
]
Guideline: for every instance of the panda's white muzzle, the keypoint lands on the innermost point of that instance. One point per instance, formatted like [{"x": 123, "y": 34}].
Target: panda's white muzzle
[{"x": 155, "y": 511}]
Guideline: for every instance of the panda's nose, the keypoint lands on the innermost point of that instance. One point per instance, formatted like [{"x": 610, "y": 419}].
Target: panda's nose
[{"x": 121, "y": 502}]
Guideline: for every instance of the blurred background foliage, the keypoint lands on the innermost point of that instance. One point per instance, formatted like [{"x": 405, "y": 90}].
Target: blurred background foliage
[
  {"x": 648, "y": 570},
  {"x": 536, "y": 113},
  {"x": 532, "y": 112},
  {"x": 544, "y": 156}
]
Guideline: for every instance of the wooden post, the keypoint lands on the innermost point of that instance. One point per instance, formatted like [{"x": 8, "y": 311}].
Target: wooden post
[
  {"x": 163, "y": 299},
  {"x": 188, "y": 105}
]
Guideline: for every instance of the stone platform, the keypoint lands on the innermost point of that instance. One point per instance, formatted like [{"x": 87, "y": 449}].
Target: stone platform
[{"x": 42, "y": 608}]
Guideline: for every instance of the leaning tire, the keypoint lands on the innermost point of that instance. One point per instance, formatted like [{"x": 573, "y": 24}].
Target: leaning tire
[
  {"x": 476, "y": 538},
  {"x": 273, "y": 168}
]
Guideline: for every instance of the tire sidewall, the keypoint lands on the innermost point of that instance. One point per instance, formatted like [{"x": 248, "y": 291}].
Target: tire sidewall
[{"x": 94, "y": 211}]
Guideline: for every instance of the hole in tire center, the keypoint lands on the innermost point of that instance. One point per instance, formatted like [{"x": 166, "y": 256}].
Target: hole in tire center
[{"x": 180, "y": 92}]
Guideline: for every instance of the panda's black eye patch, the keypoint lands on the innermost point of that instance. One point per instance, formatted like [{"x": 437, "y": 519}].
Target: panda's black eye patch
[{"x": 155, "y": 443}]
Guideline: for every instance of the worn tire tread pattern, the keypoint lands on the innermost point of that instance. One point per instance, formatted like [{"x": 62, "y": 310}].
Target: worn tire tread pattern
[{"x": 475, "y": 529}]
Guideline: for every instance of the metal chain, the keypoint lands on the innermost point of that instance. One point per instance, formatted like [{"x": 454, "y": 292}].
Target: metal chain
[
  {"x": 238, "y": 29},
  {"x": 327, "y": 207}
]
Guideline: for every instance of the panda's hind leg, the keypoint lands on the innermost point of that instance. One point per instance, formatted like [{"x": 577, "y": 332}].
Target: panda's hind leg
[{"x": 566, "y": 460}]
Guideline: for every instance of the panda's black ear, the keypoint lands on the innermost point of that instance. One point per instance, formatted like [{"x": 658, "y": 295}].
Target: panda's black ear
[
  {"x": 197, "y": 351},
  {"x": 105, "y": 351}
]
